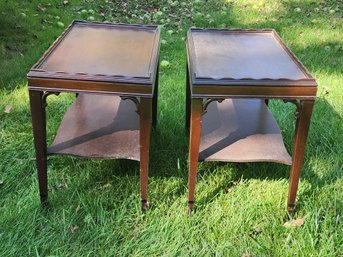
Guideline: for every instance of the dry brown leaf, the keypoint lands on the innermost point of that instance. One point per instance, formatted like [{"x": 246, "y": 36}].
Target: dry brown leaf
[
  {"x": 62, "y": 186},
  {"x": 78, "y": 208},
  {"x": 106, "y": 186},
  {"x": 294, "y": 223},
  {"x": 136, "y": 229},
  {"x": 74, "y": 228},
  {"x": 256, "y": 232},
  {"x": 8, "y": 108},
  {"x": 326, "y": 90},
  {"x": 41, "y": 8}
]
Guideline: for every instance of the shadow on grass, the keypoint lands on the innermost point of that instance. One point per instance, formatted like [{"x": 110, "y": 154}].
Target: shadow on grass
[
  {"x": 168, "y": 153},
  {"x": 168, "y": 159},
  {"x": 322, "y": 164},
  {"x": 16, "y": 38},
  {"x": 14, "y": 32},
  {"x": 320, "y": 54}
]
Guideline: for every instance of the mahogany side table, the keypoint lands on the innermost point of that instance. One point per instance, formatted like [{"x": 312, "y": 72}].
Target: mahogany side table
[
  {"x": 231, "y": 74},
  {"x": 113, "y": 69}
]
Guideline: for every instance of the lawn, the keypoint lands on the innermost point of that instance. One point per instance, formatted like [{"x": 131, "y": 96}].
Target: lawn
[{"x": 240, "y": 208}]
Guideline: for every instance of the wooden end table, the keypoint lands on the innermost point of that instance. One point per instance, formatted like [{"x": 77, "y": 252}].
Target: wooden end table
[
  {"x": 231, "y": 74},
  {"x": 113, "y": 69}
]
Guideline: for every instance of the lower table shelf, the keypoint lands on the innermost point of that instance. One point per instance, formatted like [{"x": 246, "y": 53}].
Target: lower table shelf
[
  {"x": 99, "y": 126},
  {"x": 241, "y": 130}
]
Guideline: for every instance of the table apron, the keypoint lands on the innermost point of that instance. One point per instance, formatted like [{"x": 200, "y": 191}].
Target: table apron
[
  {"x": 90, "y": 87},
  {"x": 306, "y": 93}
]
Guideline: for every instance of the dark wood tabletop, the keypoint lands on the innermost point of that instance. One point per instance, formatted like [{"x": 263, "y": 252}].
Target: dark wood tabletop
[
  {"x": 114, "y": 57},
  {"x": 245, "y": 62}
]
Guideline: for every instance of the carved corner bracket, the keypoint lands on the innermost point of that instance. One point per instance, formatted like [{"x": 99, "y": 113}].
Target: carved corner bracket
[
  {"x": 134, "y": 100},
  {"x": 298, "y": 105},
  {"x": 45, "y": 96},
  {"x": 207, "y": 101}
]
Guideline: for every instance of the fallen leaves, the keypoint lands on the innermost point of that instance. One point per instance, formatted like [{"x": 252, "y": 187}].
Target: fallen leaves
[
  {"x": 41, "y": 8},
  {"x": 165, "y": 64},
  {"x": 298, "y": 10},
  {"x": 294, "y": 223},
  {"x": 8, "y": 108},
  {"x": 255, "y": 232},
  {"x": 74, "y": 228},
  {"x": 62, "y": 186},
  {"x": 78, "y": 208},
  {"x": 88, "y": 219},
  {"x": 60, "y": 24},
  {"x": 108, "y": 185},
  {"x": 326, "y": 90}
]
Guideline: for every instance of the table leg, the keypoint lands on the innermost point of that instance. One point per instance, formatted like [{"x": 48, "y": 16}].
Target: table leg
[
  {"x": 39, "y": 136},
  {"x": 144, "y": 142},
  {"x": 194, "y": 142},
  {"x": 154, "y": 99},
  {"x": 300, "y": 138},
  {"x": 188, "y": 99}
]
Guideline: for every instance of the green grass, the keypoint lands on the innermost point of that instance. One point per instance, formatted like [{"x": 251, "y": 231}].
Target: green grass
[{"x": 94, "y": 205}]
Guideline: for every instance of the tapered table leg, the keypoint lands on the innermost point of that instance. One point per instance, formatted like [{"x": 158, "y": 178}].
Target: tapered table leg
[
  {"x": 144, "y": 142},
  {"x": 39, "y": 135},
  {"x": 154, "y": 99},
  {"x": 194, "y": 142},
  {"x": 188, "y": 100},
  {"x": 300, "y": 138}
]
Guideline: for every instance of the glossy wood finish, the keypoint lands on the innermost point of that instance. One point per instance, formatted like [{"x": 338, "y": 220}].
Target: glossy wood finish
[
  {"x": 97, "y": 57},
  {"x": 103, "y": 54},
  {"x": 301, "y": 131},
  {"x": 305, "y": 93},
  {"x": 240, "y": 64},
  {"x": 240, "y": 57},
  {"x": 144, "y": 143},
  {"x": 194, "y": 143},
  {"x": 113, "y": 69},
  {"x": 154, "y": 100},
  {"x": 212, "y": 50},
  {"x": 188, "y": 100},
  {"x": 39, "y": 136}
]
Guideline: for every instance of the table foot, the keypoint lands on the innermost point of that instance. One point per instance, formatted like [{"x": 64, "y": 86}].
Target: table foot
[
  {"x": 291, "y": 208},
  {"x": 190, "y": 207},
  {"x": 144, "y": 205},
  {"x": 43, "y": 198}
]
